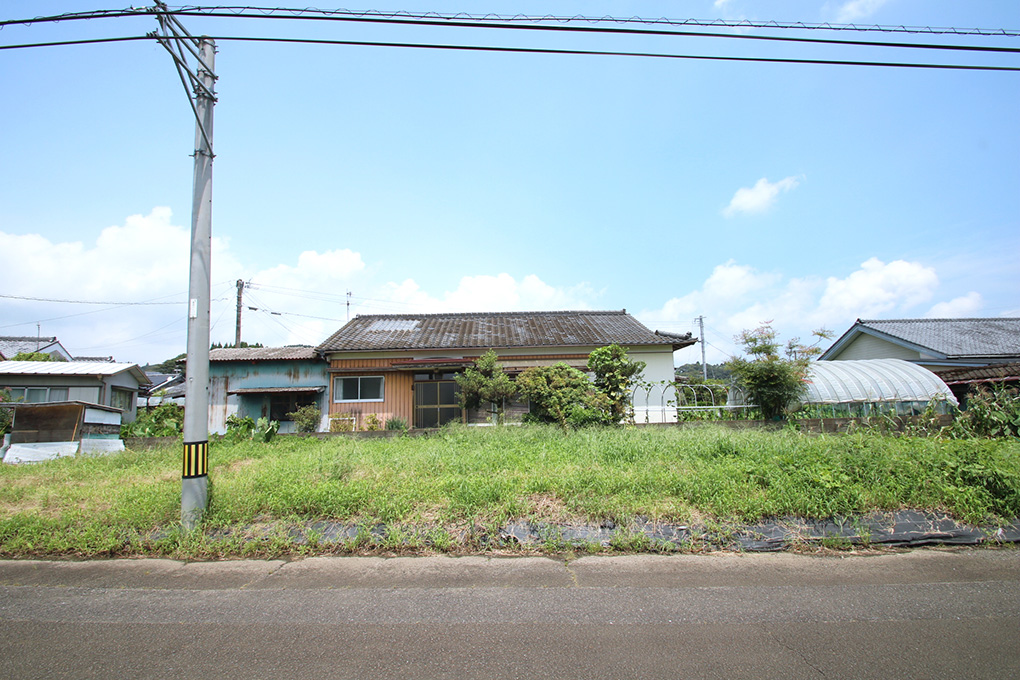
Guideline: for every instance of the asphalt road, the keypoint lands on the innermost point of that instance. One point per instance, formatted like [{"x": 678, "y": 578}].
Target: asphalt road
[{"x": 919, "y": 614}]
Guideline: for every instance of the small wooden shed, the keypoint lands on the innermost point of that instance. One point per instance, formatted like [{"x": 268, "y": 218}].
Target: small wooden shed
[{"x": 50, "y": 430}]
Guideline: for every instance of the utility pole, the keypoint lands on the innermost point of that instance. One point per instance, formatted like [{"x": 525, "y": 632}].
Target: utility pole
[
  {"x": 182, "y": 46},
  {"x": 348, "y": 305},
  {"x": 237, "y": 330},
  {"x": 704, "y": 366},
  {"x": 195, "y": 472}
]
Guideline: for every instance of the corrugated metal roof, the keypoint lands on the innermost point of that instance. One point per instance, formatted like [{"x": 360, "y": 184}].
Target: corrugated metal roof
[
  {"x": 70, "y": 368},
  {"x": 872, "y": 380},
  {"x": 952, "y": 338},
  {"x": 290, "y": 353},
  {"x": 489, "y": 330}
]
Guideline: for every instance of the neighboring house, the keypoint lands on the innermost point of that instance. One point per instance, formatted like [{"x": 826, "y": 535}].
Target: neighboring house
[
  {"x": 403, "y": 366},
  {"x": 159, "y": 389},
  {"x": 963, "y": 380},
  {"x": 108, "y": 360},
  {"x": 268, "y": 382},
  {"x": 13, "y": 345},
  {"x": 937, "y": 344},
  {"x": 100, "y": 383}
]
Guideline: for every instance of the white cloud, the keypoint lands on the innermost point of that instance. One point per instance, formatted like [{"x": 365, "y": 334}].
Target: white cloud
[
  {"x": 877, "y": 288},
  {"x": 855, "y": 10},
  {"x": 297, "y": 302},
  {"x": 966, "y": 306},
  {"x": 737, "y": 297},
  {"x": 759, "y": 198}
]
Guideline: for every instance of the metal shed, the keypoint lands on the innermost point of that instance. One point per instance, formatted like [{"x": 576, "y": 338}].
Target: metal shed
[{"x": 866, "y": 386}]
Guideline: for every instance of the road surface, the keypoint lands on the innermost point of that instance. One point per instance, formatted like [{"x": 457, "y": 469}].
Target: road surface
[{"x": 918, "y": 614}]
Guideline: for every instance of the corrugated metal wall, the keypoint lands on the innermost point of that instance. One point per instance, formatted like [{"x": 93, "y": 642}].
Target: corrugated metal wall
[{"x": 398, "y": 396}]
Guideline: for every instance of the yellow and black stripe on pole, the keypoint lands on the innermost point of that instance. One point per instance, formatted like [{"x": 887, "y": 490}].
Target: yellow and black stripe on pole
[{"x": 196, "y": 460}]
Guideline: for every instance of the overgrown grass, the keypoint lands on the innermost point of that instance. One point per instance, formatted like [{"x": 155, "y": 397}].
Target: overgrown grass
[{"x": 443, "y": 492}]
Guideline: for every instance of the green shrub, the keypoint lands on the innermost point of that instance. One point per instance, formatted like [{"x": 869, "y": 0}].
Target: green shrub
[
  {"x": 306, "y": 418},
  {"x": 563, "y": 395},
  {"x": 166, "y": 420},
  {"x": 396, "y": 424}
]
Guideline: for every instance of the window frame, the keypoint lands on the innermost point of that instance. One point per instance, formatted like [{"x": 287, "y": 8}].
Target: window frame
[{"x": 338, "y": 389}]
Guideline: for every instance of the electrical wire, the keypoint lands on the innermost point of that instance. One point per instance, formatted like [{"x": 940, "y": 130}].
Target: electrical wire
[
  {"x": 460, "y": 22},
  {"x": 537, "y": 50},
  {"x": 90, "y": 302},
  {"x": 386, "y": 17}
]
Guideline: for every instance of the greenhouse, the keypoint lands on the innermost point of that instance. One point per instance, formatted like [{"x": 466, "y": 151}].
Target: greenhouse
[{"x": 869, "y": 387}]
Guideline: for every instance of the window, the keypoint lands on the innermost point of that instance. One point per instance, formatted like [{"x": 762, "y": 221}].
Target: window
[
  {"x": 367, "y": 388},
  {"x": 38, "y": 395},
  {"x": 122, "y": 399}
]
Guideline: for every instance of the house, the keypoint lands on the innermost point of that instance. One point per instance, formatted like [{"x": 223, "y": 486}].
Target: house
[
  {"x": 937, "y": 344},
  {"x": 265, "y": 382},
  {"x": 12, "y": 345},
  {"x": 103, "y": 383},
  {"x": 963, "y": 380},
  {"x": 159, "y": 389},
  {"x": 403, "y": 366}
]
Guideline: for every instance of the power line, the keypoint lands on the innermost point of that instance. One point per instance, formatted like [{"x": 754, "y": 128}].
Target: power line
[
  {"x": 536, "y": 50},
  {"x": 457, "y": 21},
  {"x": 376, "y": 16},
  {"x": 88, "y": 302}
]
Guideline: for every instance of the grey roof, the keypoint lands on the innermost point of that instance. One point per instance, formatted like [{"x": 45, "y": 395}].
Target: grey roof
[
  {"x": 70, "y": 368},
  {"x": 496, "y": 329},
  {"x": 951, "y": 338},
  {"x": 993, "y": 373},
  {"x": 289, "y": 353},
  {"x": 15, "y": 344}
]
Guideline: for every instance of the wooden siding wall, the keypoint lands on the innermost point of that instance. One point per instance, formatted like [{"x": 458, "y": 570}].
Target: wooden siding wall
[{"x": 398, "y": 401}]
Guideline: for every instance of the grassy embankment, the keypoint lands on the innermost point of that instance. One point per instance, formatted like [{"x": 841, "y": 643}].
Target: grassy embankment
[{"x": 443, "y": 492}]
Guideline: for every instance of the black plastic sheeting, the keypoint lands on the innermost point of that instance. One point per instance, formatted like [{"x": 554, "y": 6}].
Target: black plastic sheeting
[{"x": 900, "y": 528}]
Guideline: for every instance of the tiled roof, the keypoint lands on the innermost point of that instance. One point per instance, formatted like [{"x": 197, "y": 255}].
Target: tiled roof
[
  {"x": 289, "y": 353},
  {"x": 952, "y": 338},
  {"x": 16, "y": 344},
  {"x": 995, "y": 372},
  {"x": 956, "y": 337},
  {"x": 490, "y": 330}
]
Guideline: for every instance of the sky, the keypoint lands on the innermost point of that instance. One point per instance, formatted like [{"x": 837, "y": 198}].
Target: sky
[{"x": 379, "y": 180}]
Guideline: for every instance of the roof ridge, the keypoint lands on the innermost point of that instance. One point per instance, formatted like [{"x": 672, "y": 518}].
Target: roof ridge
[
  {"x": 467, "y": 314},
  {"x": 968, "y": 318}
]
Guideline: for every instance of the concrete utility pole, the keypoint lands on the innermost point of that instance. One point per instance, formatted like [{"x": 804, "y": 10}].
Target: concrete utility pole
[
  {"x": 704, "y": 366},
  {"x": 237, "y": 330},
  {"x": 183, "y": 47},
  {"x": 195, "y": 473}
]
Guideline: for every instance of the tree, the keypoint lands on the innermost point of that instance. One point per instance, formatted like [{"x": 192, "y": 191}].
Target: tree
[
  {"x": 772, "y": 382},
  {"x": 615, "y": 376},
  {"x": 563, "y": 395},
  {"x": 35, "y": 356},
  {"x": 485, "y": 382}
]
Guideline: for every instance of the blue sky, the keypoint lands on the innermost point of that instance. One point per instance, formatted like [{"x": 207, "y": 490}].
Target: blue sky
[{"x": 420, "y": 180}]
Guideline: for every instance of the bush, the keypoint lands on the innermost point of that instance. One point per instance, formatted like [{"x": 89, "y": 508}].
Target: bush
[
  {"x": 615, "y": 376},
  {"x": 563, "y": 395},
  {"x": 166, "y": 420},
  {"x": 396, "y": 424},
  {"x": 485, "y": 382},
  {"x": 306, "y": 418},
  {"x": 342, "y": 422},
  {"x": 6, "y": 414}
]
